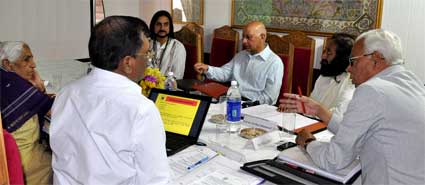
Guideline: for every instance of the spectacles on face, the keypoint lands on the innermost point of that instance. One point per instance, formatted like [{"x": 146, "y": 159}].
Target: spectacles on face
[
  {"x": 148, "y": 56},
  {"x": 351, "y": 60}
]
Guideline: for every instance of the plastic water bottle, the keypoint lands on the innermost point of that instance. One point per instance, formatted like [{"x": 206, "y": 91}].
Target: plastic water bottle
[
  {"x": 233, "y": 110},
  {"x": 170, "y": 83}
]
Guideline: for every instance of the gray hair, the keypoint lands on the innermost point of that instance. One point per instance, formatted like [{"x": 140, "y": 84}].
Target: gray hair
[
  {"x": 11, "y": 50},
  {"x": 385, "y": 42}
]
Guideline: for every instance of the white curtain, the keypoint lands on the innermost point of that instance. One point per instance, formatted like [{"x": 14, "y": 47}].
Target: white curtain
[{"x": 188, "y": 9}]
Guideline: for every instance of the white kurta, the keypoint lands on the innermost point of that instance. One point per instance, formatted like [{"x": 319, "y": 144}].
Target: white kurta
[
  {"x": 174, "y": 58},
  {"x": 333, "y": 95},
  {"x": 104, "y": 131}
]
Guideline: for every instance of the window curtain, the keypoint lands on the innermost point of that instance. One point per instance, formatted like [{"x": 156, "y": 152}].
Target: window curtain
[{"x": 188, "y": 9}]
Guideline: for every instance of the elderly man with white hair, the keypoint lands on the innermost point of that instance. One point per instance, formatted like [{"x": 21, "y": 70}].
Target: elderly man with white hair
[
  {"x": 257, "y": 69},
  {"x": 23, "y": 106},
  {"x": 384, "y": 124}
]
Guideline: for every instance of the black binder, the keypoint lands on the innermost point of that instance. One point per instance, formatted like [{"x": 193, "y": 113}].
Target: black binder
[{"x": 271, "y": 170}]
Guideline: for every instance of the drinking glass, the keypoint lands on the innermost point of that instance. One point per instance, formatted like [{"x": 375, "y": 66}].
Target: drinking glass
[
  {"x": 222, "y": 126},
  {"x": 288, "y": 126},
  {"x": 56, "y": 82}
]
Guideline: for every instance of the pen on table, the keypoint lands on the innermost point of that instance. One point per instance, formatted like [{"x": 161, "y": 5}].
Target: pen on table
[
  {"x": 203, "y": 160},
  {"x": 301, "y": 94}
]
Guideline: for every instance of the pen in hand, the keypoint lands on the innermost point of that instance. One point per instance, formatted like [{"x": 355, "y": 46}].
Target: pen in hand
[
  {"x": 203, "y": 160},
  {"x": 301, "y": 94}
]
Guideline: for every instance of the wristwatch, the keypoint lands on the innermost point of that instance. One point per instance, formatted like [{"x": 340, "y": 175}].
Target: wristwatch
[{"x": 307, "y": 141}]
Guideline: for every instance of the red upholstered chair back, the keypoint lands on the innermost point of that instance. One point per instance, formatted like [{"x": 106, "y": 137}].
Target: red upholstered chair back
[
  {"x": 192, "y": 44},
  {"x": 10, "y": 162},
  {"x": 303, "y": 61},
  {"x": 285, "y": 51},
  {"x": 224, "y": 45}
]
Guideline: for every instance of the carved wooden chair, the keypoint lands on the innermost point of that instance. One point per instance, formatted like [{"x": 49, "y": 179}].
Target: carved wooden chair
[
  {"x": 193, "y": 45},
  {"x": 199, "y": 30},
  {"x": 224, "y": 45},
  {"x": 303, "y": 61},
  {"x": 285, "y": 50}
]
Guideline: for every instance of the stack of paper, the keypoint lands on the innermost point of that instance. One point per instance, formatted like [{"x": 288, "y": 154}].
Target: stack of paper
[
  {"x": 267, "y": 116},
  {"x": 216, "y": 170},
  {"x": 295, "y": 156}
]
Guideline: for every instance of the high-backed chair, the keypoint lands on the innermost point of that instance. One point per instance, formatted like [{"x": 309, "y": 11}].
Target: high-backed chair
[
  {"x": 193, "y": 45},
  {"x": 4, "y": 175},
  {"x": 199, "y": 30},
  {"x": 285, "y": 50},
  {"x": 303, "y": 61},
  {"x": 10, "y": 161},
  {"x": 224, "y": 45}
]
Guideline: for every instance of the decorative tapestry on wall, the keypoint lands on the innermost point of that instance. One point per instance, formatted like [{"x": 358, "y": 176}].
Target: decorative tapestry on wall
[{"x": 316, "y": 17}]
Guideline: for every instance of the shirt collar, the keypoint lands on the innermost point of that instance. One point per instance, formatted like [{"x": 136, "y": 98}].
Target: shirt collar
[
  {"x": 114, "y": 78},
  {"x": 390, "y": 70},
  {"x": 263, "y": 54}
]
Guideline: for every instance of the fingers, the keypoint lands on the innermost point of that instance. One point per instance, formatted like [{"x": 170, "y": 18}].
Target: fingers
[
  {"x": 37, "y": 82},
  {"x": 200, "y": 67}
]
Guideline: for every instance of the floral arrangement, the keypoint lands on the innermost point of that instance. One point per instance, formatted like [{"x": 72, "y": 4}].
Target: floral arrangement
[{"x": 153, "y": 79}]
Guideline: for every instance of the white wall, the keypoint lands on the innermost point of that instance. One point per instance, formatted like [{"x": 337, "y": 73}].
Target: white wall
[
  {"x": 405, "y": 18},
  {"x": 122, "y": 7},
  {"x": 54, "y": 29}
]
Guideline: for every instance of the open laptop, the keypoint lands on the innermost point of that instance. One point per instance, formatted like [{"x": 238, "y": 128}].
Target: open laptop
[{"x": 183, "y": 115}]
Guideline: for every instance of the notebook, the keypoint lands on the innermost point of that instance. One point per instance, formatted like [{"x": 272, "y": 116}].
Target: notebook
[
  {"x": 183, "y": 115},
  {"x": 212, "y": 89}
]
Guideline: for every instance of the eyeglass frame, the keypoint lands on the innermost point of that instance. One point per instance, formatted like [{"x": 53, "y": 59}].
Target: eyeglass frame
[
  {"x": 351, "y": 60},
  {"x": 148, "y": 55}
]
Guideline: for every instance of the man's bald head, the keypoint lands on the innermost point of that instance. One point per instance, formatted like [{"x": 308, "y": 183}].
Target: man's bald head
[
  {"x": 257, "y": 27},
  {"x": 254, "y": 37}
]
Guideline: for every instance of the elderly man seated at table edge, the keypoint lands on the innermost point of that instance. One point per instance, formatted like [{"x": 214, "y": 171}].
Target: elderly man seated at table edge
[
  {"x": 384, "y": 124},
  {"x": 257, "y": 69},
  {"x": 23, "y": 106}
]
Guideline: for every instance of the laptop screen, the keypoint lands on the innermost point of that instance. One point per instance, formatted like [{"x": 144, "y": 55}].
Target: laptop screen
[{"x": 182, "y": 113}]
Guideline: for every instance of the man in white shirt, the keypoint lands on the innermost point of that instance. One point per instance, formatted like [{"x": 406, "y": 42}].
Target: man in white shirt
[
  {"x": 103, "y": 130},
  {"x": 170, "y": 54},
  {"x": 384, "y": 124},
  {"x": 257, "y": 69},
  {"x": 333, "y": 89}
]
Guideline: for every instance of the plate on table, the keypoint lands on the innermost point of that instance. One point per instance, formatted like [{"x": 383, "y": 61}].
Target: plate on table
[
  {"x": 217, "y": 118},
  {"x": 250, "y": 133}
]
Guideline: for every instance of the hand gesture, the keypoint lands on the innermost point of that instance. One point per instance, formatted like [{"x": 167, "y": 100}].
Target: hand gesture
[
  {"x": 201, "y": 68},
  {"x": 37, "y": 82},
  {"x": 293, "y": 103}
]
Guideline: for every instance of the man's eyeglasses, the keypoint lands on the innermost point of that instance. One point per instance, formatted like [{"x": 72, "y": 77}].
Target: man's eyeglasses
[
  {"x": 147, "y": 56},
  {"x": 353, "y": 59}
]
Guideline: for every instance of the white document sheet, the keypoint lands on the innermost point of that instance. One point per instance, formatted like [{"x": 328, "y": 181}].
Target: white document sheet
[
  {"x": 219, "y": 170},
  {"x": 180, "y": 161}
]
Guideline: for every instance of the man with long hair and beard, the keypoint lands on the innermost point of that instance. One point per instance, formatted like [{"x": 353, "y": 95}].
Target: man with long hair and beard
[
  {"x": 333, "y": 89},
  {"x": 170, "y": 54}
]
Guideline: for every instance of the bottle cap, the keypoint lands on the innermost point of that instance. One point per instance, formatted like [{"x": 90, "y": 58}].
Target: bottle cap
[
  {"x": 170, "y": 73},
  {"x": 234, "y": 83}
]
